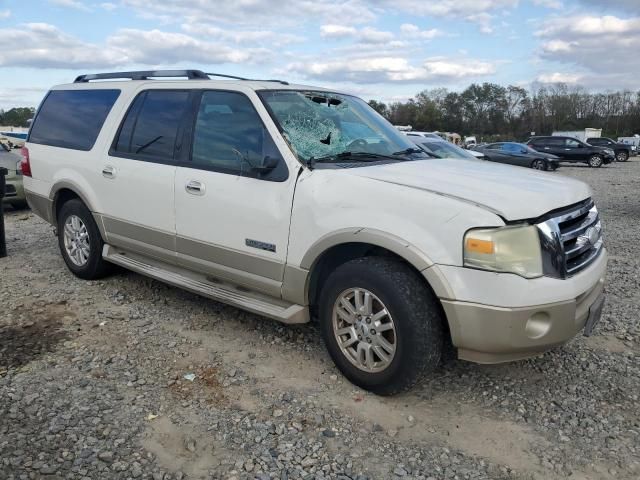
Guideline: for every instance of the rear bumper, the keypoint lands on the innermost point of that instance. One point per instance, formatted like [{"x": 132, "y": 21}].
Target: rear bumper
[{"x": 489, "y": 333}]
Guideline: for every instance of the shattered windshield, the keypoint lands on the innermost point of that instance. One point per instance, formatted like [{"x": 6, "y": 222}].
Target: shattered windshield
[{"x": 321, "y": 125}]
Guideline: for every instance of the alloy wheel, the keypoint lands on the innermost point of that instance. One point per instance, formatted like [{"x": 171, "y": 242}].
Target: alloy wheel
[
  {"x": 76, "y": 240},
  {"x": 364, "y": 330}
]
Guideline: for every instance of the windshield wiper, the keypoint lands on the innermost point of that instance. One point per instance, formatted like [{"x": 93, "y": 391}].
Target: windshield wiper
[
  {"x": 355, "y": 156},
  {"x": 410, "y": 150}
]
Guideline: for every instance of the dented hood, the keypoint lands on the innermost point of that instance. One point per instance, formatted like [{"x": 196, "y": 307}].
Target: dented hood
[{"x": 514, "y": 193}]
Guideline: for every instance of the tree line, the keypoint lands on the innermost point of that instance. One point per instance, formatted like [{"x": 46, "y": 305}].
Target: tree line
[
  {"x": 495, "y": 112},
  {"x": 16, "y": 117}
]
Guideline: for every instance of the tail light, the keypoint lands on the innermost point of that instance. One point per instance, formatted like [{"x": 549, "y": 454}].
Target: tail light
[{"x": 25, "y": 164}]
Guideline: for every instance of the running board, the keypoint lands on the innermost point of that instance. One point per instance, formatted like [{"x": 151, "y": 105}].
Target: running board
[{"x": 251, "y": 301}]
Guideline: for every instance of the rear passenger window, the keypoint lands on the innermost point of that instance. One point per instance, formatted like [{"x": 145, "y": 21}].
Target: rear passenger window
[
  {"x": 230, "y": 137},
  {"x": 150, "y": 129},
  {"x": 72, "y": 118}
]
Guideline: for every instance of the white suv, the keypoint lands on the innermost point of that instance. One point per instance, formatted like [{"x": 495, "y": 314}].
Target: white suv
[{"x": 301, "y": 203}]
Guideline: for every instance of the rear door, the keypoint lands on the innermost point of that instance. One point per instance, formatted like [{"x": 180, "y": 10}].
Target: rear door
[
  {"x": 555, "y": 146},
  {"x": 136, "y": 178},
  {"x": 233, "y": 212},
  {"x": 493, "y": 152}
]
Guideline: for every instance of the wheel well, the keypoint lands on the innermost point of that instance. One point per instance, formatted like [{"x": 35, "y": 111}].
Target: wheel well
[
  {"x": 345, "y": 252},
  {"x": 62, "y": 196}
]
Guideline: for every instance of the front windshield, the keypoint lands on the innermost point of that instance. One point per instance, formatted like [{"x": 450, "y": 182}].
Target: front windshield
[
  {"x": 443, "y": 149},
  {"x": 320, "y": 125}
]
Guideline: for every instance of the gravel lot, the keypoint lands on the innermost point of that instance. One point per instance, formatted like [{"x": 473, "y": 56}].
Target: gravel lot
[{"x": 92, "y": 383}]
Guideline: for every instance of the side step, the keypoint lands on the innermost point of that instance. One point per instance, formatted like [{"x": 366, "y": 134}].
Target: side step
[{"x": 251, "y": 301}]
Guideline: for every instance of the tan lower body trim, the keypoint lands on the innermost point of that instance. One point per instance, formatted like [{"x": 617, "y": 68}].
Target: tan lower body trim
[{"x": 40, "y": 205}]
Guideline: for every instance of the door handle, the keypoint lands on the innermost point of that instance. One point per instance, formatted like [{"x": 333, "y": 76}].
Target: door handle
[
  {"x": 195, "y": 187},
  {"x": 108, "y": 171}
]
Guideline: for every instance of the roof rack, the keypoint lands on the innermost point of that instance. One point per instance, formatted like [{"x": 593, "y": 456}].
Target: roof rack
[
  {"x": 147, "y": 74},
  {"x": 143, "y": 75}
]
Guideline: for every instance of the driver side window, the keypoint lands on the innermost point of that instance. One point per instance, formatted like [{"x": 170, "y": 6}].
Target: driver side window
[
  {"x": 572, "y": 143},
  {"x": 229, "y": 136}
]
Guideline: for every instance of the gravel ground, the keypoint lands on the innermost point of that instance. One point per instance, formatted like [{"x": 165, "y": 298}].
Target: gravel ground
[{"x": 92, "y": 383}]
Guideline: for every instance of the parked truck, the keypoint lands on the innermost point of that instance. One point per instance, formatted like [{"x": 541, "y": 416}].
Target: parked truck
[
  {"x": 633, "y": 142},
  {"x": 581, "y": 135}
]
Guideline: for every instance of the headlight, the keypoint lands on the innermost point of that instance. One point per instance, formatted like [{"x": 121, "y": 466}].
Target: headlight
[
  {"x": 609, "y": 151},
  {"x": 506, "y": 249}
]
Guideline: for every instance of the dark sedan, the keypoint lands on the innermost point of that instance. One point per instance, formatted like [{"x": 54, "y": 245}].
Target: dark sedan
[{"x": 519, "y": 154}]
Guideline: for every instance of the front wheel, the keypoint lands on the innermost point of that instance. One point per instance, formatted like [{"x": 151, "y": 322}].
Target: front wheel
[
  {"x": 80, "y": 241},
  {"x": 381, "y": 324},
  {"x": 595, "y": 161},
  {"x": 539, "y": 165},
  {"x": 622, "y": 156}
]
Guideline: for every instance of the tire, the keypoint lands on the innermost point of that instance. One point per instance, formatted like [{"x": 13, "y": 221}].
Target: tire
[
  {"x": 622, "y": 156},
  {"x": 540, "y": 165},
  {"x": 94, "y": 267},
  {"x": 595, "y": 161},
  {"x": 414, "y": 313}
]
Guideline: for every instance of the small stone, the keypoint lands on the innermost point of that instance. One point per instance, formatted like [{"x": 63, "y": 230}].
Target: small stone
[
  {"x": 106, "y": 457},
  {"x": 400, "y": 472},
  {"x": 278, "y": 413}
]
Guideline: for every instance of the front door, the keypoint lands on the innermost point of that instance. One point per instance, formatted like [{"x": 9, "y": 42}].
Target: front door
[{"x": 234, "y": 195}]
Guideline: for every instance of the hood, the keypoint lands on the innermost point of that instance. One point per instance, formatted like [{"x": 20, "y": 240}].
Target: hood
[{"x": 514, "y": 193}]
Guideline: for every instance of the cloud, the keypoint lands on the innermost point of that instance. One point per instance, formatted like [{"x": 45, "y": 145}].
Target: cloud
[
  {"x": 42, "y": 45},
  {"x": 256, "y": 12},
  {"x": 601, "y": 49},
  {"x": 395, "y": 69},
  {"x": 362, "y": 35},
  {"x": 558, "y": 77},
  {"x": 241, "y": 36},
  {"x": 474, "y": 11},
  {"x": 71, "y": 4},
  {"x": 108, "y": 6},
  {"x": 410, "y": 30},
  {"x": 5, "y": 14},
  {"x": 554, "y": 4}
]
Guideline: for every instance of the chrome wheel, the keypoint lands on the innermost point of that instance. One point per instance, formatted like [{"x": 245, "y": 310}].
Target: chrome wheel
[
  {"x": 595, "y": 161},
  {"x": 621, "y": 157},
  {"x": 76, "y": 240},
  {"x": 364, "y": 330}
]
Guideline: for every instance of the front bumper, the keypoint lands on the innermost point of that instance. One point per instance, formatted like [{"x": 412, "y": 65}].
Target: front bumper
[{"x": 486, "y": 333}]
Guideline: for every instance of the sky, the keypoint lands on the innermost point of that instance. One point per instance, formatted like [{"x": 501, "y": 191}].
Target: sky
[{"x": 387, "y": 50}]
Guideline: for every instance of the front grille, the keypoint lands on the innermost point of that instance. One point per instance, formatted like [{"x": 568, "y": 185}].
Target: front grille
[{"x": 571, "y": 239}]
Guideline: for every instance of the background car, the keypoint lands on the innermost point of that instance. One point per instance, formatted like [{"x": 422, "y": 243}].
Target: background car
[
  {"x": 570, "y": 149},
  {"x": 519, "y": 154},
  {"x": 621, "y": 150},
  {"x": 14, "y": 192},
  {"x": 439, "y": 148},
  {"x": 434, "y": 136}
]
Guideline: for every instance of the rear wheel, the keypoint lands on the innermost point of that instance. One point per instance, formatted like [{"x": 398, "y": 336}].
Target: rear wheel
[
  {"x": 622, "y": 156},
  {"x": 595, "y": 161},
  {"x": 539, "y": 165},
  {"x": 80, "y": 241},
  {"x": 381, "y": 324}
]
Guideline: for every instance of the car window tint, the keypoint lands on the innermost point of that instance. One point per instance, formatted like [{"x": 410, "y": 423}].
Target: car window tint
[
  {"x": 151, "y": 126},
  {"x": 555, "y": 142},
  {"x": 572, "y": 143},
  {"x": 494, "y": 146},
  {"x": 229, "y": 135},
  {"x": 72, "y": 118}
]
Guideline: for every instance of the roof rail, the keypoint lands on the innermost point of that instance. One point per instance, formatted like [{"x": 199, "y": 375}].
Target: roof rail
[
  {"x": 143, "y": 75},
  {"x": 146, "y": 74}
]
